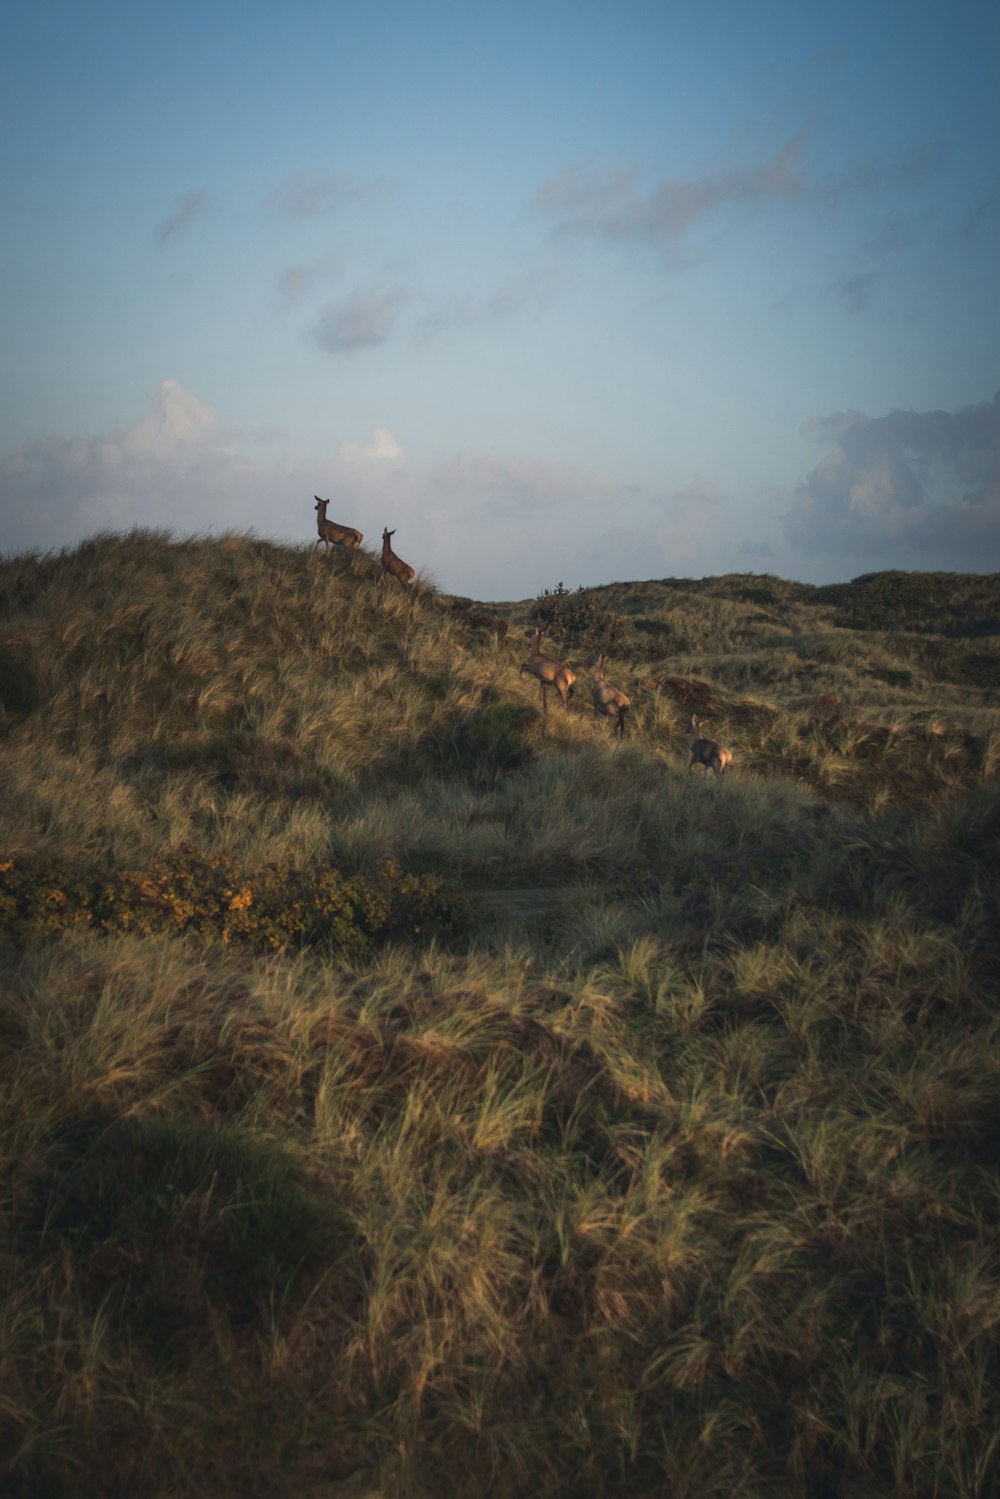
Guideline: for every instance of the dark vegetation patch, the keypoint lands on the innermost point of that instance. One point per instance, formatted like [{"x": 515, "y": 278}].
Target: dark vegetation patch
[
  {"x": 575, "y": 618},
  {"x": 482, "y": 746},
  {"x": 940, "y": 603},
  {"x": 956, "y": 604},
  {"x": 278, "y": 767},
  {"x": 894, "y": 676},
  {"x": 661, "y": 633},
  {"x": 18, "y": 684},
  {"x": 268, "y": 909},
  {"x": 479, "y": 619},
  {"x": 692, "y": 695},
  {"x": 910, "y": 766},
  {"x": 944, "y": 604},
  {"x": 176, "y": 1222},
  {"x": 944, "y": 660}
]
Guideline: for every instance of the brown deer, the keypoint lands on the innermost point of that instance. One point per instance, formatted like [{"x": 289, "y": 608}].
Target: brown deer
[
  {"x": 329, "y": 531},
  {"x": 608, "y": 699},
  {"x": 707, "y": 752},
  {"x": 550, "y": 673},
  {"x": 391, "y": 564}
]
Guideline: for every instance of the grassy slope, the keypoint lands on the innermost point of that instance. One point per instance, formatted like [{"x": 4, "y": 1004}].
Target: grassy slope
[{"x": 677, "y": 1174}]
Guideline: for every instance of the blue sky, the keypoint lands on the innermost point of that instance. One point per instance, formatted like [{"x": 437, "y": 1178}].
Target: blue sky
[{"x": 581, "y": 292}]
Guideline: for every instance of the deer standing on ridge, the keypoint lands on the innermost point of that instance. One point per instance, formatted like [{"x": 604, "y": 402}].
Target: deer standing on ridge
[
  {"x": 329, "y": 531},
  {"x": 608, "y": 699},
  {"x": 550, "y": 673},
  {"x": 400, "y": 570},
  {"x": 707, "y": 752}
]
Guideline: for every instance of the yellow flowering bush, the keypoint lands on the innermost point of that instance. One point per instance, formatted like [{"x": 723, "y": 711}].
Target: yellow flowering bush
[{"x": 266, "y": 909}]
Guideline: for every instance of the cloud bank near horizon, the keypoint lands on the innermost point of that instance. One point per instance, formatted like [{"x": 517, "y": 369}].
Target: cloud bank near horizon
[
  {"x": 179, "y": 466},
  {"x": 911, "y": 490},
  {"x": 914, "y": 489}
]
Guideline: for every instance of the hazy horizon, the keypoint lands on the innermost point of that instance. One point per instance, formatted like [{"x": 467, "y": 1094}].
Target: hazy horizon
[{"x": 557, "y": 293}]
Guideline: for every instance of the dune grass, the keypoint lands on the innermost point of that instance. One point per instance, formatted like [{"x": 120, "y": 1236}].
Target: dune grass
[{"x": 672, "y": 1168}]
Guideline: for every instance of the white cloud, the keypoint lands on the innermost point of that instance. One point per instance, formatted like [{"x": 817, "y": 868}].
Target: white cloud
[
  {"x": 483, "y": 524},
  {"x": 382, "y": 448},
  {"x": 911, "y": 489},
  {"x": 169, "y": 467},
  {"x": 177, "y": 422}
]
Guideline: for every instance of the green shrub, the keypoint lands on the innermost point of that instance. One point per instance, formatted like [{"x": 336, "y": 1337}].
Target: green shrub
[
  {"x": 575, "y": 619},
  {"x": 267, "y": 909}
]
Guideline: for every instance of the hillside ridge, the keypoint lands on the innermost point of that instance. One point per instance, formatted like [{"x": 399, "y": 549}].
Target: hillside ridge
[{"x": 407, "y": 1092}]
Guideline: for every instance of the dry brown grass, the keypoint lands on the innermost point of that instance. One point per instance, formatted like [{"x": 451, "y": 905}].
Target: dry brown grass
[{"x": 677, "y": 1175}]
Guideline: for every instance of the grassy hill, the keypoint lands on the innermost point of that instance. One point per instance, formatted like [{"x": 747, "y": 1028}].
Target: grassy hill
[{"x": 406, "y": 1094}]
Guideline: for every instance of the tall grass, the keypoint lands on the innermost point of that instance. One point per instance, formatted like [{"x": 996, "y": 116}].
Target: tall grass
[{"x": 675, "y": 1173}]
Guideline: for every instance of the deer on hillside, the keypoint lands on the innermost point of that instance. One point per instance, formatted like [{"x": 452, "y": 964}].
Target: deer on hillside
[
  {"x": 391, "y": 564},
  {"x": 550, "y": 673},
  {"x": 329, "y": 531},
  {"x": 707, "y": 752},
  {"x": 608, "y": 699}
]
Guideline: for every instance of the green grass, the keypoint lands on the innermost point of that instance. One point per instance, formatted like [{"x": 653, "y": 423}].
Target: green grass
[{"x": 671, "y": 1168}]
